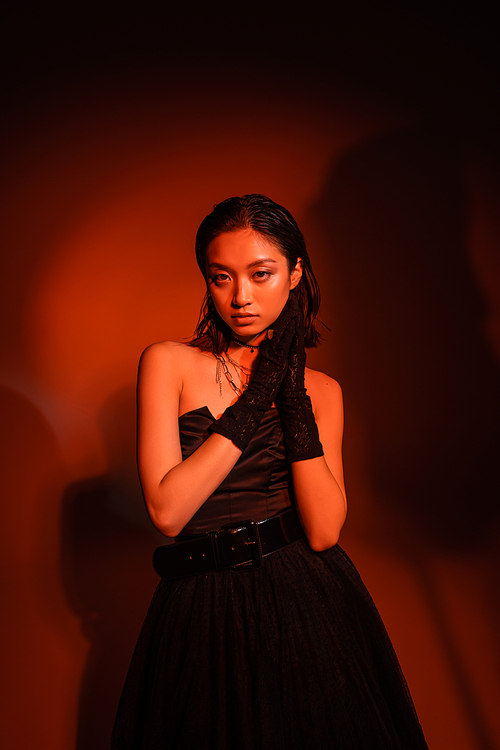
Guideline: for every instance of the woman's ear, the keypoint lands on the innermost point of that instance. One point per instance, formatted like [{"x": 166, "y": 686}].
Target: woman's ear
[{"x": 296, "y": 274}]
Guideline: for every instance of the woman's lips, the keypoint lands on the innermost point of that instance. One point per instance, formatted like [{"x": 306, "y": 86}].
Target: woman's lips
[{"x": 243, "y": 320}]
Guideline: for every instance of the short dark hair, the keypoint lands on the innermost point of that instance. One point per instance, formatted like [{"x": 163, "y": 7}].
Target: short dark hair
[{"x": 278, "y": 226}]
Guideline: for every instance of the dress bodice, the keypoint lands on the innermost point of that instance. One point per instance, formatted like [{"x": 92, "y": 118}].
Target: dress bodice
[{"x": 258, "y": 485}]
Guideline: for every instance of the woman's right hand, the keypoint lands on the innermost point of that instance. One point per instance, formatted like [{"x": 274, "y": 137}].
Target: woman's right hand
[
  {"x": 241, "y": 420},
  {"x": 272, "y": 363}
]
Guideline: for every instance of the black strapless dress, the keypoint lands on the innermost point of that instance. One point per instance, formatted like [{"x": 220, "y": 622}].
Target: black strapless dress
[{"x": 290, "y": 656}]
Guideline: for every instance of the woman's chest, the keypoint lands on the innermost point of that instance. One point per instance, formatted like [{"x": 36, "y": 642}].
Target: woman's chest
[{"x": 205, "y": 383}]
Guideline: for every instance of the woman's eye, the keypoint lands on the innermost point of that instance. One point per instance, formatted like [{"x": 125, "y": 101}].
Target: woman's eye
[
  {"x": 220, "y": 277},
  {"x": 262, "y": 274}
]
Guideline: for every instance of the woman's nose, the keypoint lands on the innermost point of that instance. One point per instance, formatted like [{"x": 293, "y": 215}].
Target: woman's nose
[{"x": 241, "y": 294}]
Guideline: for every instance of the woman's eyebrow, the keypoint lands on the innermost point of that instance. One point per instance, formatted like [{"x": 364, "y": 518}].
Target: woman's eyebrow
[
  {"x": 250, "y": 265},
  {"x": 260, "y": 261}
]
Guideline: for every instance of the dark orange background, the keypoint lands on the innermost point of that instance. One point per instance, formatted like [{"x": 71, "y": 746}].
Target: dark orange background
[{"x": 378, "y": 131}]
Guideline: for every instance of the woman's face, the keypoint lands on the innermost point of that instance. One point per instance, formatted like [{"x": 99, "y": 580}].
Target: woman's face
[{"x": 249, "y": 281}]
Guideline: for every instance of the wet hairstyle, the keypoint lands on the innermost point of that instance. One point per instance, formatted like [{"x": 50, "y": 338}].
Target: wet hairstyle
[{"x": 278, "y": 226}]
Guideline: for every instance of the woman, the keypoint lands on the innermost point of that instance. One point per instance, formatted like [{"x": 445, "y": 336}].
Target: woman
[{"x": 261, "y": 633}]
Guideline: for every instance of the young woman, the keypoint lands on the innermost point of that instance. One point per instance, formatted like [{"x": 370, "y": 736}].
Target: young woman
[{"x": 261, "y": 633}]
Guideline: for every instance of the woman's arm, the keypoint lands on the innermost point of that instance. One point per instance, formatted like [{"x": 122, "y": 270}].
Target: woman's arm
[
  {"x": 319, "y": 482},
  {"x": 173, "y": 489}
]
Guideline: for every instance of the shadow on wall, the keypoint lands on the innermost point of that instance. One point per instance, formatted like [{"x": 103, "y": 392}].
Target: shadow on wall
[
  {"x": 107, "y": 544},
  {"x": 32, "y": 476},
  {"x": 413, "y": 355},
  {"x": 416, "y": 365}
]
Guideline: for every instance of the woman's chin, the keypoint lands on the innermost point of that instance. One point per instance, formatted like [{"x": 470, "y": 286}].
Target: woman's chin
[{"x": 248, "y": 336}]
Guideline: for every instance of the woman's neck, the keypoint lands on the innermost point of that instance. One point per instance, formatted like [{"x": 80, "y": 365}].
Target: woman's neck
[{"x": 245, "y": 355}]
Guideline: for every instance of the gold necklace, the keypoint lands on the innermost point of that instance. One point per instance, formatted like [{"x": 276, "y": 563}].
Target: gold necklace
[{"x": 222, "y": 368}]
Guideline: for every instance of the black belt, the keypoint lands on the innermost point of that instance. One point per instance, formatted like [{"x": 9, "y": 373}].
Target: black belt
[{"x": 240, "y": 545}]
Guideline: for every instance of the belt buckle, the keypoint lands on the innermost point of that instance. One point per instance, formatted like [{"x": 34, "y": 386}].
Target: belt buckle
[{"x": 254, "y": 543}]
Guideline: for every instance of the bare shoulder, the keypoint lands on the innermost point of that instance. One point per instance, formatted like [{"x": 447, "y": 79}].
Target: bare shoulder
[
  {"x": 325, "y": 392},
  {"x": 318, "y": 382},
  {"x": 165, "y": 359},
  {"x": 167, "y": 354}
]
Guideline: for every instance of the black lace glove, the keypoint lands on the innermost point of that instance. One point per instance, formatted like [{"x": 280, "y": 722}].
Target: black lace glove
[
  {"x": 297, "y": 419},
  {"x": 241, "y": 420}
]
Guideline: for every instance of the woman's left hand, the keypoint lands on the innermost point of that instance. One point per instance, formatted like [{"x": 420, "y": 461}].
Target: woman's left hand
[{"x": 299, "y": 425}]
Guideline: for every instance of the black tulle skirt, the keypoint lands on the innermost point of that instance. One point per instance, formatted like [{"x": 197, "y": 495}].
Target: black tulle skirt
[{"x": 290, "y": 656}]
